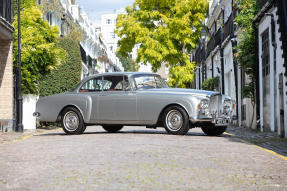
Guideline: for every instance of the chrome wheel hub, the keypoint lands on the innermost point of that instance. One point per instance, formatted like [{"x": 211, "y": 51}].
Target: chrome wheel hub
[
  {"x": 71, "y": 121},
  {"x": 174, "y": 120}
]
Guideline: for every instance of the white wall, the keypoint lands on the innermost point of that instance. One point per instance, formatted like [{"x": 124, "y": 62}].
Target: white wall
[
  {"x": 108, "y": 30},
  {"x": 208, "y": 67},
  {"x": 29, "y": 107},
  {"x": 265, "y": 24},
  {"x": 229, "y": 82}
]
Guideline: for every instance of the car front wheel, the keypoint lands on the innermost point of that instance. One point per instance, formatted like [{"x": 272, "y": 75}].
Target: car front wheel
[
  {"x": 72, "y": 121},
  {"x": 176, "y": 120},
  {"x": 213, "y": 130},
  {"x": 112, "y": 128}
]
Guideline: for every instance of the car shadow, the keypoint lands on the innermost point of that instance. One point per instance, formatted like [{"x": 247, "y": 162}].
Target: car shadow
[
  {"x": 160, "y": 131},
  {"x": 140, "y": 131}
]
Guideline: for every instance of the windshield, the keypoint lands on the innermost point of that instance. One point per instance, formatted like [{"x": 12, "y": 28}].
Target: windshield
[
  {"x": 75, "y": 87},
  {"x": 149, "y": 81}
]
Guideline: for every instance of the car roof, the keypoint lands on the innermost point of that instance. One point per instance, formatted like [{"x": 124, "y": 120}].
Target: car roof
[{"x": 121, "y": 73}]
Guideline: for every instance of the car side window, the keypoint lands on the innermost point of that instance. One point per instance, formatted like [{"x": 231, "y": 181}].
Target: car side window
[
  {"x": 144, "y": 82},
  {"x": 107, "y": 85},
  {"x": 116, "y": 83},
  {"x": 92, "y": 85},
  {"x": 123, "y": 85}
]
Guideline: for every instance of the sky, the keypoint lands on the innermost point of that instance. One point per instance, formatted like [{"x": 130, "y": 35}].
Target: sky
[{"x": 95, "y": 8}]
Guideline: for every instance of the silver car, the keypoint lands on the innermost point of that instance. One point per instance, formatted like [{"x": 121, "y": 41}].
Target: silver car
[{"x": 114, "y": 100}]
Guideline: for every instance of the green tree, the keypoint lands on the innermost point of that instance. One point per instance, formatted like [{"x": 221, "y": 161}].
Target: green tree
[
  {"x": 166, "y": 30},
  {"x": 40, "y": 50},
  {"x": 68, "y": 74},
  {"x": 181, "y": 76},
  {"x": 247, "y": 54},
  {"x": 128, "y": 63}
]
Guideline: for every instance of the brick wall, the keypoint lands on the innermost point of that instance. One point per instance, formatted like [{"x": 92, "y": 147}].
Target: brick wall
[{"x": 6, "y": 80}]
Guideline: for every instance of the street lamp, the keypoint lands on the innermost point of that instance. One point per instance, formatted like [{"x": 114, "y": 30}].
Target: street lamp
[{"x": 19, "y": 91}]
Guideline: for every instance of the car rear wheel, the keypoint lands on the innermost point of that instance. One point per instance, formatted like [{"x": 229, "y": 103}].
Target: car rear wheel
[
  {"x": 213, "y": 130},
  {"x": 112, "y": 128},
  {"x": 72, "y": 121},
  {"x": 176, "y": 120}
]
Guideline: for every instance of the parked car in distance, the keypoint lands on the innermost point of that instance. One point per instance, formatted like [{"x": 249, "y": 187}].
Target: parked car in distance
[{"x": 114, "y": 100}]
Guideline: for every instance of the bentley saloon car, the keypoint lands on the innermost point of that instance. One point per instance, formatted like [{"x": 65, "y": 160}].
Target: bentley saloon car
[{"x": 114, "y": 100}]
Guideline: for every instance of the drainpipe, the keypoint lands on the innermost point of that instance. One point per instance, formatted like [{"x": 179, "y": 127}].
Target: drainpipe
[
  {"x": 212, "y": 67},
  {"x": 234, "y": 44},
  {"x": 257, "y": 83},
  {"x": 222, "y": 70},
  {"x": 199, "y": 80},
  {"x": 222, "y": 57}
]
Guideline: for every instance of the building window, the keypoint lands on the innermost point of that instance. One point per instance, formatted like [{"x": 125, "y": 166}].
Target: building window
[
  {"x": 219, "y": 21},
  {"x": 265, "y": 53},
  {"x": 113, "y": 35},
  {"x": 108, "y": 21},
  {"x": 50, "y": 17},
  {"x": 213, "y": 28}
]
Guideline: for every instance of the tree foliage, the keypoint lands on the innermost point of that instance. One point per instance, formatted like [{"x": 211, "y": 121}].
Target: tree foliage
[
  {"x": 128, "y": 63},
  {"x": 68, "y": 74},
  {"x": 211, "y": 84},
  {"x": 40, "y": 51},
  {"x": 181, "y": 76},
  {"x": 247, "y": 53},
  {"x": 166, "y": 32}
]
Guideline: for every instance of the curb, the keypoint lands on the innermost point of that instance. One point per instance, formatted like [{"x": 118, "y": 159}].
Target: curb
[
  {"x": 261, "y": 148},
  {"x": 25, "y": 137}
]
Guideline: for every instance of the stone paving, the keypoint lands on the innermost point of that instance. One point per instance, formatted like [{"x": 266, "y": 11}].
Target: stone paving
[
  {"x": 268, "y": 140},
  {"x": 138, "y": 159},
  {"x": 15, "y": 136}
]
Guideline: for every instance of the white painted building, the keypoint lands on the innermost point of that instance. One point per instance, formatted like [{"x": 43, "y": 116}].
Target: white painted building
[
  {"x": 272, "y": 55},
  {"x": 108, "y": 26},
  {"x": 92, "y": 46},
  {"x": 214, "y": 58}
]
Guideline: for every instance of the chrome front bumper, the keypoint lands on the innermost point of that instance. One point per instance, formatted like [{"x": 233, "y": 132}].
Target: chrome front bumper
[{"x": 218, "y": 121}]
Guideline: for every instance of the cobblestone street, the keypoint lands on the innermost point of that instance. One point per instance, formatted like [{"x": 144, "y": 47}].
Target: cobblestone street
[{"x": 138, "y": 159}]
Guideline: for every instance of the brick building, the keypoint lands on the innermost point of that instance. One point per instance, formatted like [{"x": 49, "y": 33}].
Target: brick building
[{"x": 6, "y": 66}]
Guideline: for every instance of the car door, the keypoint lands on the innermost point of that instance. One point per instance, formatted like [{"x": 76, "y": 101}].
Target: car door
[
  {"x": 125, "y": 102},
  {"x": 105, "y": 102},
  {"x": 92, "y": 88},
  {"x": 117, "y": 102}
]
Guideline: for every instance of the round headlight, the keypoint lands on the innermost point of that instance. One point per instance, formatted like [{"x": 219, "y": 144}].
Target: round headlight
[
  {"x": 227, "y": 103},
  {"x": 204, "y": 104}
]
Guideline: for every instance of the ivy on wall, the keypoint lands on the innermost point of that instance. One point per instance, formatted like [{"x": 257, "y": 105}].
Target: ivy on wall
[
  {"x": 247, "y": 53},
  {"x": 68, "y": 74}
]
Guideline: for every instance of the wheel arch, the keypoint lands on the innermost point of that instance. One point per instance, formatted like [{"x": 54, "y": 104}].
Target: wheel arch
[
  {"x": 60, "y": 115},
  {"x": 160, "y": 117}
]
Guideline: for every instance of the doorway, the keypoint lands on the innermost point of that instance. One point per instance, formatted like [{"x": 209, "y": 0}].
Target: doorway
[
  {"x": 266, "y": 80},
  {"x": 281, "y": 105}
]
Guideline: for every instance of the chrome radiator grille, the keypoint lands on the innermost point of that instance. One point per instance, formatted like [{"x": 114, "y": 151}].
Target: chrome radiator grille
[{"x": 215, "y": 105}]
